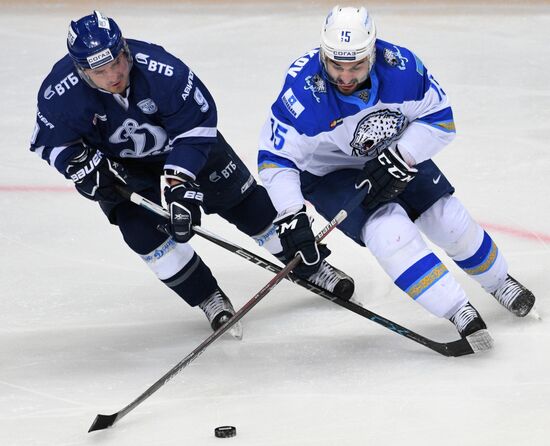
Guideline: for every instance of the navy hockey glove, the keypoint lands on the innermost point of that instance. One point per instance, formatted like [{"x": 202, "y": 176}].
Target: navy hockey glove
[
  {"x": 297, "y": 238},
  {"x": 386, "y": 177},
  {"x": 95, "y": 176},
  {"x": 184, "y": 200}
]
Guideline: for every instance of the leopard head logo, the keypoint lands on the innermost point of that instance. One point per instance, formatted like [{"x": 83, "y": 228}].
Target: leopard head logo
[{"x": 376, "y": 131}]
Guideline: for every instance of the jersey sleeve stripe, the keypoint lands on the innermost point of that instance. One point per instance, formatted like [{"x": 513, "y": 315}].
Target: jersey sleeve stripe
[
  {"x": 442, "y": 120},
  {"x": 206, "y": 132},
  {"x": 54, "y": 153},
  {"x": 268, "y": 160}
]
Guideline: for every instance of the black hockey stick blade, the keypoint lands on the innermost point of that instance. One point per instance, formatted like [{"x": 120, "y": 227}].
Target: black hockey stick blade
[
  {"x": 460, "y": 347},
  {"x": 103, "y": 422},
  {"x": 457, "y": 348}
]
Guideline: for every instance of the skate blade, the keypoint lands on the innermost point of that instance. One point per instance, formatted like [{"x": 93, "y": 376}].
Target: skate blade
[
  {"x": 480, "y": 341},
  {"x": 535, "y": 314},
  {"x": 237, "y": 331}
]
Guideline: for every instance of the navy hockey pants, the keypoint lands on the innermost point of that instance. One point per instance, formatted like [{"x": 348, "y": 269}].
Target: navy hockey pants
[{"x": 329, "y": 194}]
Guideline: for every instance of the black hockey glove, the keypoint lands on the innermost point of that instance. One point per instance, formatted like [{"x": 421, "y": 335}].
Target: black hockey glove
[
  {"x": 297, "y": 238},
  {"x": 184, "y": 200},
  {"x": 386, "y": 177},
  {"x": 95, "y": 176}
]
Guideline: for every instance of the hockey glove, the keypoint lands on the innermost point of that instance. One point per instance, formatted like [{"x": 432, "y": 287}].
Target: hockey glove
[
  {"x": 95, "y": 176},
  {"x": 184, "y": 200},
  {"x": 386, "y": 177},
  {"x": 297, "y": 238}
]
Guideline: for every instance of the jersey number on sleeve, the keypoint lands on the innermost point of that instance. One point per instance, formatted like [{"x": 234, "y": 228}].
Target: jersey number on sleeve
[
  {"x": 199, "y": 99},
  {"x": 277, "y": 134}
]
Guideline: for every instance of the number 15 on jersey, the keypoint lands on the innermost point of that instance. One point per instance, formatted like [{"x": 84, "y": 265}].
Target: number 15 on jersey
[{"x": 277, "y": 134}]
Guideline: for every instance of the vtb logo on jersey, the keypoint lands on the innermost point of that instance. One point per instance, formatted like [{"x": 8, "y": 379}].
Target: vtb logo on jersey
[{"x": 376, "y": 132}]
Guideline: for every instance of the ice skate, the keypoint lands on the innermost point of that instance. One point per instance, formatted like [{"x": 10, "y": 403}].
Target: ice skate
[
  {"x": 219, "y": 310},
  {"x": 514, "y": 297},
  {"x": 332, "y": 279},
  {"x": 469, "y": 324}
]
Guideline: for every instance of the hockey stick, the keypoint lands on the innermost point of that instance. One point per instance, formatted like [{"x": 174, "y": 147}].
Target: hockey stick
[
  {"x": 105, "y": 421},
  {"x": 460, "y": 347}
]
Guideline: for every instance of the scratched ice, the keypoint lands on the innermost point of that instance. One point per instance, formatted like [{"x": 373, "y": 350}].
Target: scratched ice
[{"x": 85, "y": 327}]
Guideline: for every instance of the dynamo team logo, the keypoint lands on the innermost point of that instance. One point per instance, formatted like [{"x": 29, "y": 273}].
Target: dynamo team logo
[{"x": 140, "y": 136}]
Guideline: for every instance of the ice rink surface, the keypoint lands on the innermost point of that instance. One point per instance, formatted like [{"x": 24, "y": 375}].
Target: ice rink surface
[{"x": 85, "y": 328}]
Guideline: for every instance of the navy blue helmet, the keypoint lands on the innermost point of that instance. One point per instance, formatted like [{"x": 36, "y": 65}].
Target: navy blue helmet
[{"x": 94, "y": 40}]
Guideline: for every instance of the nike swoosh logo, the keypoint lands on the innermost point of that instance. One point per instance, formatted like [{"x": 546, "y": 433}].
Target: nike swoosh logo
[{"x": 436, "y": 180}]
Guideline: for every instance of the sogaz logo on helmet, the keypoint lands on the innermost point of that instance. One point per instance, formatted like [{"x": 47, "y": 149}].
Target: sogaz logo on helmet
[
  {"x": 344, "y": 55},
  {"x": 101, "y": 58}
]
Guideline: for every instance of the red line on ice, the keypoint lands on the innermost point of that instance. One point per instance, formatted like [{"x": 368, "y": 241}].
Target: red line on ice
[
  {"x": 519, "y": 233},
  {"x": 23, "y": 188}
]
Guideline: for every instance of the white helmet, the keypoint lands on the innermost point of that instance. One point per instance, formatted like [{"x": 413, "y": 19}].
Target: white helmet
[{"x": 348, "y": 35}]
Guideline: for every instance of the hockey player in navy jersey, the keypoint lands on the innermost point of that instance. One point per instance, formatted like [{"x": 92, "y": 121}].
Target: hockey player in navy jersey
[
  {"x": 121, "y": 111},
  {"x": 359, "y": 112}
]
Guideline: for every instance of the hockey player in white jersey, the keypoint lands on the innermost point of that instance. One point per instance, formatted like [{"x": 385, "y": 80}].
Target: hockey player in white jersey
[
  {"x": 359, "y": 112},
  {"x": 123, "y": 111}
]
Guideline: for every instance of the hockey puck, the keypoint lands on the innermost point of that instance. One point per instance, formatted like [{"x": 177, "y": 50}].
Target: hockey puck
[{"x": 225, "y": 431}]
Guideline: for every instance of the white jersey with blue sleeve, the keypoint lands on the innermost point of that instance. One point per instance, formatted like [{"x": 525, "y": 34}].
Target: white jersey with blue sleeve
[{"x": 315, "y": 128}]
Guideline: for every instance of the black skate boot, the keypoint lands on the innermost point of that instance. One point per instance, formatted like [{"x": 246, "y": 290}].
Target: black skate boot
[
  {"x": 514, "y": 297},
  {"x": 469, "y": 324},
  {"x": 219, "y": 310},
  {"x": 332, "y": 279}
]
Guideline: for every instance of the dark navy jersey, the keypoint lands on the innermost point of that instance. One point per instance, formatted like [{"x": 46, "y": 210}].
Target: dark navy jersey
[{"x": 167, "y": 114}]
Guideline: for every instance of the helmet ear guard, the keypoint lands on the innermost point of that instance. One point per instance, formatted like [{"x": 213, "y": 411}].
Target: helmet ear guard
[{"x": 348, "y": 35}]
